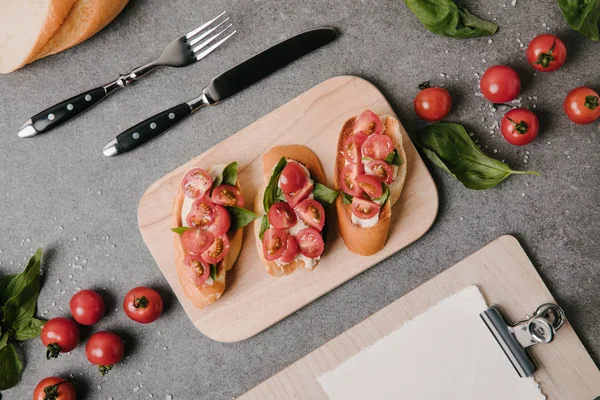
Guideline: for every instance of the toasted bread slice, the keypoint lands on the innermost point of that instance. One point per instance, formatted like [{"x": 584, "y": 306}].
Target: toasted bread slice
[
  {"x": 304, "y": 156},
  {"x": 367, "y": 241}
]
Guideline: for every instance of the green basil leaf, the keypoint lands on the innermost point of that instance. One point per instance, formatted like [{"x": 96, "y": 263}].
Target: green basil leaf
[
  {"x": 445, "y": 18},
  {"x": 10, "y": 367},
  {"x": 20, "y": 280},
  {"x": 3, "y": 340},
  {"x": 394, "y": 158},
  {"x": 347, "y": 198},
  {"x": 279, "y": 196},
  {"x": 28, "y": 328},
  {"x": 449, "y": 147},
  {"x": 180, "y": 230},
  {"x": 240, "y": 217},
  {"x": 264, "y": 225},
  {"x": 582, "y": 16},
  {"x": 230, "y": 174},
  {"x": 4, "y": 282},
  {"x": 22, "y": 304},
  {"x": 271, "y": 192},
  {"x": 324, "y": 195},
  {"x": 213, "y": 272},
  {"x": 386, "y": 194}
]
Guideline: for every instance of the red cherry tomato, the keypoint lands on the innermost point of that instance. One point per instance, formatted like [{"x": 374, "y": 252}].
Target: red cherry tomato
[
  {"x": 196, "y": 241},
  {"x": 198, "y": 270},
  {"x": 377, "y": 147},
  {"x": 196, "y": 183},
  {"x": 310, "y": 242},
  {"x": 363, "y": 208},
  {"x": 202, "y": 214},
  {"x": 54, "y": 388},
  {"x": 367, "y": 123},
  {"x": 217, "y": 251},
  {"x": 274, "y": 242},
  {"x": 291, "y": 250},
  {"x": 222, "y": 221},
  {"x": 519, "y": 126},
  {"x": 352, "y": 148},
  {"x": 381, "y": 170},
  {"x": 348, "y": 179},
  {"x": 282, "y": 216},
  {"x": 227, "y": 195},
  {"x": 104, "y": 349},
  {"x": 296, "y": 197},
  {"x": 546, "y": 53},
  {"x": 432, "y": 104},
  {"x": 292, "y": 178},
  {"x": 143, "y": 304},
  {"x": 59, "y": 335},
  {"x": 582, "y": 105},
  {"x": 312, "y": 213},
  {"x": 371, "y": 185},
  {"x": 87, "y": 307},
  {"x": 500, "y": 84}
]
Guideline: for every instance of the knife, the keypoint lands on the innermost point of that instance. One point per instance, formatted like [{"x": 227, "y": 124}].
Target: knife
[{"x": 223, "y": 86}]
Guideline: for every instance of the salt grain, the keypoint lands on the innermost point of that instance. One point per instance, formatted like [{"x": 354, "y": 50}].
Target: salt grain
[
  {"x": 490, "y": 41},
  {"x": 513, "y": 3}
]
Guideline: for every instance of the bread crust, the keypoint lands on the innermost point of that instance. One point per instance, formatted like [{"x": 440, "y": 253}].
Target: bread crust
[
  {"x": 304, "y": 156},
  {"x": 368, "y": 241}
]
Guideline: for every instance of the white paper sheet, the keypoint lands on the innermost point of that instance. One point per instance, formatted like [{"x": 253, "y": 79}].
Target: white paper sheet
[{"x": 445, "y": 353}]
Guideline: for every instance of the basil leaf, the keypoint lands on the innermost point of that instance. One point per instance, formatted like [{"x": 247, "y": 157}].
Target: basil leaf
[
  {"x": 582, "y": 16},
  {"x": 240, "y": 217},
  {"x": 445, "y": 18},
  {"x": 213, "y": 272},
  {"x": 180, "y": 230},
  {"x": 324, "y": 195},
  {"x": 19, "y": 281},
  {"x": 4, "y": 282},
  {"x": 230, "y": 174},
  {"x": 347, "y": 198},
  {"x": 10, "y": 367},
  {"x": 28, "y": 328},
  {"x": 279, "y": 196},
  {"x": 3, "y": 340},
  {"x": 394, "y": 158},
  {"x": 264, "y": 225},
  {"x": 22, "y": 304},
  {"x": 271, "y": 192},
  {"x": 386, "y": 194},
  {"x": 449, "y": 147}
]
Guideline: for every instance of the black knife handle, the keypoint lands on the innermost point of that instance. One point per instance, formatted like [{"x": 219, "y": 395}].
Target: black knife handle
[
  {"x": 62, "y": 112},
  {"x": 152, "y": 127}
]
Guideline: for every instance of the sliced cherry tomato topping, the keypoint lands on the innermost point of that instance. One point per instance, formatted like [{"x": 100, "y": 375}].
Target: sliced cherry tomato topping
[
  {"x": 381, "y": 170},
  {"x": 196, "y": 183},
  {"x": 368, "y": 123},
  {"x": 371, "y": 185},
  {"x": 196, "y": 241},
  {"x": 348, "y": 179},
  {"x": 310, "y": 242},
  {"x": 363, "y": 208},
  {"x": 197, "y": 268},
  {"x": 282, "y": 216},
  {"x": 377, "y": 147},
  {"x": 202, "y": 214},
  {"x": 274, "y": 242},
  {"x": 228, "y": 196},
  {"x": 291, "y": 250},
  {"x": 312, "y": 213},
  {"x": 292, "y": 178},
  {"x": 217, "y": 250},
  {"x": 222, "y": 221},
  {"x": 352, "y": 146},
  {"x": 296, "y": 197}
]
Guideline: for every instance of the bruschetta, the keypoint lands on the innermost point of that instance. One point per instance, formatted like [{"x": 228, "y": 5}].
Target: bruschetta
[
  {"x": 370, "y": 169},
  {"x": 208, "y": 215},
  {"x": 292, "y": 204}
]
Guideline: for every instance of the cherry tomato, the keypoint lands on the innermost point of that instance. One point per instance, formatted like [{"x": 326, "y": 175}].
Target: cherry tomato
[
  {"x": 274, "y": 242},
  {"x": 143, "y": 304},
  {"x": 198, "y": 270},
  {"x": 222, "y": 221},
  {"x": 371, "y": 185},
  {"x": 381, "y": 170},
  {"x": 377, "y": 147},
  {"x": 196, "y": 183},
  {"x": 202, "y": 214},
  {"x": 546, "y": 53},
  {"x": 291, "y": 250},
  {"x": 363, "y": 208},
  {"x": 227, "y": 195},
  {"x": 348, "y": 179},
  {"x": 352, "y": 146},
  {"x": 582, "y": 106},
  {"x": 312, "y": 213},
  {"x": 217, "y": 251},
  {"x": 104, "y": 349},
  {"x": 87, "y": 307},
  {"x": 296, "y": 197},
  {"x": 432, "y": 104},
  {"x": 59, "y": 335},
  {"x": 196, "y": 241},
  {"x": 367, "y": 123},
  {"x": 54, "y": 388},
  {"x": 292, "y": 178},
  {"x": 282, "y": 216},
  {"x": 310, "y": 242},
  {"x": 500, "y": 84},
  {"x": 519, "y": 126}
]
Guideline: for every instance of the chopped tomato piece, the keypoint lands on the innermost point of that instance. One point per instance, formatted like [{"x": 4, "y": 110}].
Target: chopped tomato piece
[
  {"x": 202, "y": 214},
  {"x": 371, "y": 185},
  {"x": 274, "y": 242},
  {"x": 196, "y": 183},
  {"x": 227, "y": 195},
  {"x": 282, "y": 216},
  {"x": 381, "y": 170},
  {"x": 363, "y": 208},
  {"x": 377, "y": 147},
  {"x": 217, "y": 251},
  {"x": 352, "y": 148},
  {"x": 296, "y": 197},
  {"x": 291, "y": 250},
  {"x": 368, "y": 123},
  {"x": 292, "y": 178},
  {"x": 312, "y": 213},
  {"x": 310, "y": 242},
  {"x": 197, "y": 269},
  {"x": 348, "y": 179},
  {"x": 196, "y": 241}
]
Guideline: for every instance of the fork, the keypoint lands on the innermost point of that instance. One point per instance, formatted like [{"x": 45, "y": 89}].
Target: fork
[{"x": 181, "y": 52}]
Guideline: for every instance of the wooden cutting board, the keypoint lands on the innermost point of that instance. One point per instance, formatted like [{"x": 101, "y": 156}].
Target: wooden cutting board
[
  {"x": 253, "y": 299},
  {"x": 504, "y": 274}
]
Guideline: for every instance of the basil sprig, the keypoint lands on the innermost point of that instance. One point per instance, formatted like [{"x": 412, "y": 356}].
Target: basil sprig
[
  {"x": 324, "y": 195},
  {"x": 449, "y": 147},
  {"x": 228, "y": 176},
  {"x": 582, "y": 16},
  {"x": 240, "y": 217},
  {"x": 272, "y": 192},
  {"x": 18, "y": 300}
]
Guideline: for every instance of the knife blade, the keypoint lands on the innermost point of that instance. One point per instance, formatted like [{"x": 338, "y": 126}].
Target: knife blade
[{"x": 223, "y": 86}]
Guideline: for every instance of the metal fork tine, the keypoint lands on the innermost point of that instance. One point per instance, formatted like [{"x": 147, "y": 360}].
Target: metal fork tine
[
  {"x": 195, "y": 31},
  {"x": 205, "y": 34},
  {"x": 209, "y": 40},
  {"x": 214, "y": 46}
]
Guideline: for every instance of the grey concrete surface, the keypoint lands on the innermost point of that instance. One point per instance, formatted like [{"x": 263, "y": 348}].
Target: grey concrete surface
[{"x": 58, "y": 191}]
